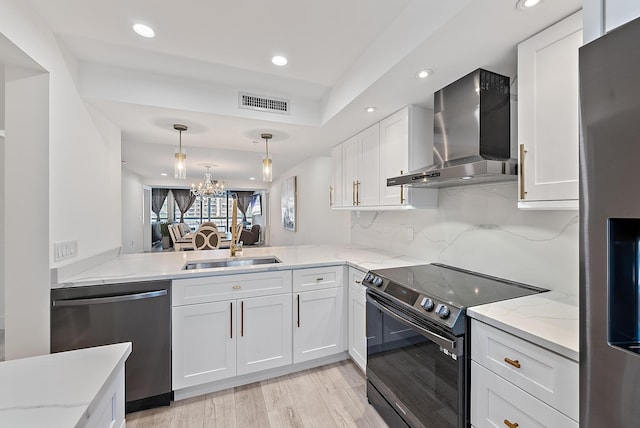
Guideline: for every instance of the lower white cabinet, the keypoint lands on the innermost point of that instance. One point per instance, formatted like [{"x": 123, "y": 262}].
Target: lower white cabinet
[
  {"x": 517, "y": 383},
  {"x": 357, "y": 319},
  {"x": 204, "y": 343},
  {"x": 219, "y": 340},
  {"x": 264, "y": 341},
  {"x": 319, "y": 322}
]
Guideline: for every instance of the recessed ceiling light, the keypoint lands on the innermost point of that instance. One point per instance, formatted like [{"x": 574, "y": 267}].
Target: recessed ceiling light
[
  {"x": 279, "y": 60},
  {"x": 144, "y": 30},
  {"x": 423, "y": 74},
  {"x": 527, "y": 4},
  {"x": 164, "y": 174},
  {"x": 252, "y": 178},
  {"x": 370, "y": 109}
]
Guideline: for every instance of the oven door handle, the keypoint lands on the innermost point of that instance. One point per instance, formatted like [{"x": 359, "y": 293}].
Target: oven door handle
[{"x": 453, "y": 346}]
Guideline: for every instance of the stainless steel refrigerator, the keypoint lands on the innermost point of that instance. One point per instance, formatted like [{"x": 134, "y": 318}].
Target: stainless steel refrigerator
[{"x": 610, "y": 230}]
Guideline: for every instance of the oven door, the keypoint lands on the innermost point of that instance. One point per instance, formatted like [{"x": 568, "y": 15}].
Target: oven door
[{"x": 412, "y": 368}]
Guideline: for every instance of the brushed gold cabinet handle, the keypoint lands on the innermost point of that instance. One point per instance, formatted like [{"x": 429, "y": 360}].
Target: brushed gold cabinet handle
[
  {"x": 353, "y": 193},
  {"x": 330, "y": 196},
  {"x": 231, "y": 319},
  {"x": 242, "y": 319},
  {"x": 358, "y": 282},
  {"x": 358, "y": 192},
  {"x": 521, "y": 171},
  {"x": 237, "y": 287},
  {"x": 298, "y": 310},
  {"x": 510, "y": 424},
  {"x": 514, "y": 363}
]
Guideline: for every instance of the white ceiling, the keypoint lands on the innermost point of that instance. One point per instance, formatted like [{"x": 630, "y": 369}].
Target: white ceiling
[{"x": 343, "y": 56}]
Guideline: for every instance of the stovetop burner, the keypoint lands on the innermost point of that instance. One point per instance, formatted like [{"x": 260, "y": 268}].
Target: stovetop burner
[{"x": 442, "y": 293}]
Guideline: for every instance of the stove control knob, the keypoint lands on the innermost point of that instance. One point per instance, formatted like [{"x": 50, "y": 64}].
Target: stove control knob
[
  {"x": 442, "y": 311},
  {"x": 377, "y": 281},
  {"x": 368, "y": 277},
  {"x": 427, "y": 304}
]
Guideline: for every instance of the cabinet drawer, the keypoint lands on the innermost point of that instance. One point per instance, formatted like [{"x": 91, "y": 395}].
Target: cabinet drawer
[
  {"x": 542, "y": 373},
  {"x": 225, "y": 287},
  {"x": 317, "y": 278},
  {"x": 355, "y": 281},
  {"x": 496, "y": 402}
]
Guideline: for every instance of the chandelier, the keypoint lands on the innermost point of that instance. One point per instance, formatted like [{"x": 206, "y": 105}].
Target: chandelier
[{"x": 208, "y": 188}]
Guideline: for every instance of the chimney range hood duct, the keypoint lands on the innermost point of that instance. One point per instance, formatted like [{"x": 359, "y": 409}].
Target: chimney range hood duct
[{"x": 471, "y": 141}]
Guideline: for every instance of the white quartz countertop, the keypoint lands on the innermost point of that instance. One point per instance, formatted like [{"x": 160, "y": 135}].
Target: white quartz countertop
[
  {"x": 56, "y": 390},
  {"x": 168, "y": 265},
  {"x": 549, "y": 320}
]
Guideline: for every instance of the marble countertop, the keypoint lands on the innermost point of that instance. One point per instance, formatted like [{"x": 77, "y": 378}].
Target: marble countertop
[
  {"x": 168, "y": 265},
  {"x": 56, "y": 390},
  {"x": 549, "y": 320}
]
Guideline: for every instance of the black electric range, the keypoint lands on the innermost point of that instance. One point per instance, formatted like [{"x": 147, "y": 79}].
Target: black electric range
[{"x": 418, "y": 358}]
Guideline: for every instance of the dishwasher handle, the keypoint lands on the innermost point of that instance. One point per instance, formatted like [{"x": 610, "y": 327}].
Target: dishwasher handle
[{"x": 110, "y": 299}]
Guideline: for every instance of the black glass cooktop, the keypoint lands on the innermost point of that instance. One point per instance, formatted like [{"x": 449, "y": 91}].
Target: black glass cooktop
[{"x": 457, "y": 287}]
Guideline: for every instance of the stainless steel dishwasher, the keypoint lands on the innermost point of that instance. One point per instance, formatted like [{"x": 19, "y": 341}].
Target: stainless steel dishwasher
[{"x": 140, "y": 313}]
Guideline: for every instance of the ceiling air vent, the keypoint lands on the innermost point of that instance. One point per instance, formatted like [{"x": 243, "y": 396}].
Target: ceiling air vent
[{"x": 260, "y": 103}]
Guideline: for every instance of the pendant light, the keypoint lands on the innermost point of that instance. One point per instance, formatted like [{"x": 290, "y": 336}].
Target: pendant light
[
  {"x": 181, "y": 164},
  {"x": 267, "y": 169}
]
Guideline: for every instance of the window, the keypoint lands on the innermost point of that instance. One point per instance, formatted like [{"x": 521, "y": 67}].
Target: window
[{"x": 216, "y": 210}]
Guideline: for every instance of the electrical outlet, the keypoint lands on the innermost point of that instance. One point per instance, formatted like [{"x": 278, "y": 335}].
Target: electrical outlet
[
  {"x": 65, "y": 250},
  {"x": 409, "y": 233}
]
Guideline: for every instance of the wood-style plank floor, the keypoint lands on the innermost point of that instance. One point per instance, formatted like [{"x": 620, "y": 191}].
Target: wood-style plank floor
[{"x": 328, "y": 396}]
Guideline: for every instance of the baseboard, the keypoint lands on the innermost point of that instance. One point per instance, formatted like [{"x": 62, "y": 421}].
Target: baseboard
[
  {"x": 60, "y": 274},
  {"x": 208, "y": 388}
]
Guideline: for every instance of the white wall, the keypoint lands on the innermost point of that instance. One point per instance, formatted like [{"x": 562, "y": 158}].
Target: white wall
[
  {"x": 132, "y": 212},
  {"x": 316, "y": 223},
  {"x": 83, "y": 179},
  {"x": 2, "y": 211},
  {"x": 481, "y": 229}
]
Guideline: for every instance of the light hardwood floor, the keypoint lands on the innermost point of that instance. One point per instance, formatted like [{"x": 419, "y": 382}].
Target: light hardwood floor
[{"x": 328, "y": 396}]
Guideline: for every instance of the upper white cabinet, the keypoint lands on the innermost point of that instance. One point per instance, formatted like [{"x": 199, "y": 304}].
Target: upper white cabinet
[
  {"x": 406, "y": 144},
  {"x": 618, "y": 12},
  {"x": 548, "y": 127},
  {"x": 360, "y": 159},
  {"x": 396, "y": 145}
]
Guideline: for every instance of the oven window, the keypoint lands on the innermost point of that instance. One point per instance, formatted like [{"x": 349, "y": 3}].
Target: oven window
[{"x": 423, "y": 378}]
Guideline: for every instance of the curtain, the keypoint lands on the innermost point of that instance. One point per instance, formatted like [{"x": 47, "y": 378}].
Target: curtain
[
  {"x": 184, "y": 198},
  {"x": 243, "y": 203},
  {"x": 157, "y": 200}
]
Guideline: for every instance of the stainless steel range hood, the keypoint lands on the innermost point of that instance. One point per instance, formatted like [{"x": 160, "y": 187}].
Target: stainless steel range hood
[{"x": 471, "y": 141}]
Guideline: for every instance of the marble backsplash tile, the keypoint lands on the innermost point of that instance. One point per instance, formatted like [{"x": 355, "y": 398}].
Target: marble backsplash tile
[{"x": 480, "y": 228}]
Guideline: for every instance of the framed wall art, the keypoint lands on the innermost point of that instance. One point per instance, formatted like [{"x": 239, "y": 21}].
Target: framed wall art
[{"x": 288, "y": 202}]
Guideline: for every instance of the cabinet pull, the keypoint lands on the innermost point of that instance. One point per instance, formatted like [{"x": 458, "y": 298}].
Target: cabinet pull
[
  {"x": 237, "y": 287},
  {"x": 358, "y": 281},
  {"x": 330, "y": 196},
  {"x": 521, "y": 171},
  {"x": 401, "y": 191},
  {"x": 510, "y": 424},
  {"x": 242, "y": 319},
  {"x": 298, "y": 310},
  {"x": 231, "y": 319},
  {"x": 358, "y": 192},
  {"x": 353, "y": 193},
  {"x": 320, "y": 279},
  {"x": 514, "y": 363}
]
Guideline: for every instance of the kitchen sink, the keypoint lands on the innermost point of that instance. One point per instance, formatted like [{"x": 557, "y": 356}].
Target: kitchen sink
[{"x": 230, "y": 263}]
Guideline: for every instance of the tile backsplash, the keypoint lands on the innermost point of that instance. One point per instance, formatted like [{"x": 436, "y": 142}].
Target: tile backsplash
[{"x": 480, "y": 228}]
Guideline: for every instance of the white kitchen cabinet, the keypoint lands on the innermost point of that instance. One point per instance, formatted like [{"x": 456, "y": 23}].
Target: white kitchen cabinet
[
  {"x": 406, "y": 144},
  {"x": 203, "y": 343},
  {"x": 548, "y": 117},
  {"x": 360, "y": 160},
  {"x": 618, "y": 12},
  {"x": 319, "y": 324},
  {"x": 517, "y": 381},
  {"x": 357, "y": 319},
  {"x": 264, "y": 335},
  {"x": 336, "y": 189}
]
